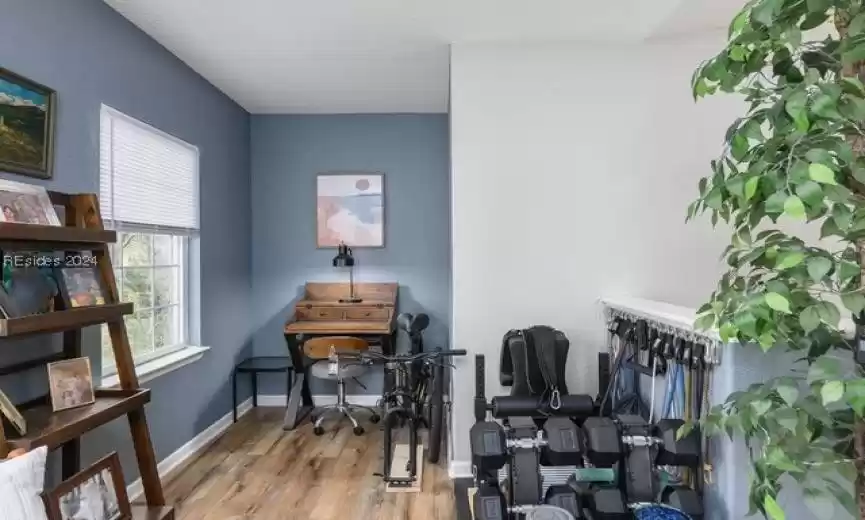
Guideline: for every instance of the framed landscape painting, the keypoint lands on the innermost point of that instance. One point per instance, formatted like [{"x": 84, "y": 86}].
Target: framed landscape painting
[
  {"x": 26, "y": 126},
  {"x": 350, "y": 208}
]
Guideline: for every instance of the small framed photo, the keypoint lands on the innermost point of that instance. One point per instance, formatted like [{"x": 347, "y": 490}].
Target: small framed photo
[
  {"x": 27, "y": 119},
  {"x": 80, "y": 287},
  {"x": 96, "y": 493},
  {"x": 350, "y": 209},
  {"x": 70, "y": 383},
  {"x": 8, "y": 410},
  {"x": 22, "y": 203}
]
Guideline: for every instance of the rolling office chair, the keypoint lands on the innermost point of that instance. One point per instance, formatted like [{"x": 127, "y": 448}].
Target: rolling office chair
[{"x": 319, "y": 351}]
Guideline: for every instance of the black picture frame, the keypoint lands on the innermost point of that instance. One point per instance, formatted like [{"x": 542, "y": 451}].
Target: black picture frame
[
  {"x": 17, "y": 108},
  {"x": 72, "y": 291}
]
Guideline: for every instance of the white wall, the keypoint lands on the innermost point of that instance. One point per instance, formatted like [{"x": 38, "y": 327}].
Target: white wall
[{"x": 572, "y": 168}]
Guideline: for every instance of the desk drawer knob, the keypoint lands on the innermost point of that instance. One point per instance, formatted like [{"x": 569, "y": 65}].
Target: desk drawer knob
[{"x": 322, "y": 313}]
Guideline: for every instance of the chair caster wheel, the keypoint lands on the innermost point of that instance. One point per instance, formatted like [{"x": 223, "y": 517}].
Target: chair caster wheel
[
  {"x": 374, "y": 418},
  {"x": 358, "y": 430},
  {"x": 318, "y": 430}
]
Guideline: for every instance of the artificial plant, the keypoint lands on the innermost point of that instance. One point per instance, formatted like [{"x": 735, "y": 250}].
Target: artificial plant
[{"x": 797, "y": 153}]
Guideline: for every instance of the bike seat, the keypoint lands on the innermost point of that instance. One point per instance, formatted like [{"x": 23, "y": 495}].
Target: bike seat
[{"x": 412, "y": 324}]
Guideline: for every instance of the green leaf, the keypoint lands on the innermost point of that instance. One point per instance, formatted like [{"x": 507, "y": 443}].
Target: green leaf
[
  {"x": 779, "y": 459},
  {"x": 738, "y": 53},
  {"x": 818, "y": 267},
  {"x": 809, "y": 319},
  {"x": 761, "y": 406},
  {"x": 773, "y": 510},
  {"x": 751, "y": 188},
  {"x": 704, "y": 322},
  {"x": 847, "y": 270},
  {"x": 842, "y": 216},
  {"x": 764, "y": 12},
  {"x": 778, "y": 302},
  {"x": 794, "y": 207},
  {"x": 817, "y": 6},
  {"x": 788, "y": 260},
  {"x": 820, "y": 505},
  {"x": 854, "y": 302},
  {"x": 821, "y": 173},
  {"x": 739, "y": 22},
  {"x": 766, "y": 341},
  {"x": 775, "y": 202},
  {"x": 828, "y": 313},
  {"x": 796, "y": 103},
  {"x": 684, "y": 430},
  {"x": 831, "y": 392},
  {"x": 788, "y": 393},
  {"x": 824, "y": 368},
  {"x": 810, "y": 193},
  {"x": 856, "y": 26}
]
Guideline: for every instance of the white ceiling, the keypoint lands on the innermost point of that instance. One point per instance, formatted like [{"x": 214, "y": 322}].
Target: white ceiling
[{"x": 368, "y": 56}]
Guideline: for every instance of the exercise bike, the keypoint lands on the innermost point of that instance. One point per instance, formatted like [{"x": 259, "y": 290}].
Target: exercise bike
[{"x": 413, "y": 396}]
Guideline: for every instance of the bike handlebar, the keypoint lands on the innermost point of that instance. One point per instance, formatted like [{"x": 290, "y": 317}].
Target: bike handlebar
[{"x": 403, "y": 358}]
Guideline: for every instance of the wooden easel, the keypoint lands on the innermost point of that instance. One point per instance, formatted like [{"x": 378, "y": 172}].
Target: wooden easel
[{"x": 83, "y": 231}]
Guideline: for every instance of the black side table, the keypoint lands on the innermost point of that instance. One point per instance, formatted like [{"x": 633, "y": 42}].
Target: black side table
[{"x": 254, "y": 366}]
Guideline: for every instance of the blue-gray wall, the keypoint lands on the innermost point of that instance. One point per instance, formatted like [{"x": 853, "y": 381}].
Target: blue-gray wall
[
  {"x": 287, "y": 153},
  {"x": 92, "y": 55}
]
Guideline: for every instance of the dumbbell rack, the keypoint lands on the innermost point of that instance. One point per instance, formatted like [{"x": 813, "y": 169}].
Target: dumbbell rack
[{"x": 514, "y": 451}]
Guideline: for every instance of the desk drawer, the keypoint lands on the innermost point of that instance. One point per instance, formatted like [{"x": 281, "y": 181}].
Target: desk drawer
[
  {"x": 320, "y": 313},
  {"x": 367, "y": 313}
]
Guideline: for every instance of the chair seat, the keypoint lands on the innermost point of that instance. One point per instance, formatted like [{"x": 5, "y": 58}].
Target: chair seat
[{"x": 320, "y": 370}]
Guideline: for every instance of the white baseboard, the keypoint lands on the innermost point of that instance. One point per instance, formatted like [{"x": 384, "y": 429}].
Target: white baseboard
[
  {"x": 460, "y": 469},
  {"x": 192, "y": 448},
  {"x": 321, "y": 400}
]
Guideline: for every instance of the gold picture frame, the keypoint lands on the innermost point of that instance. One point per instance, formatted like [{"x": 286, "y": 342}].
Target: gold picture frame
[
  {"x": 70, "y": 384},
  {"x": 8, "y": 410}
]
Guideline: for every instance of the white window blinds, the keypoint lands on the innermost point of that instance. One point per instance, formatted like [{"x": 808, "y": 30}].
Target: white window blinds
[{"x": 147, "y": 177}]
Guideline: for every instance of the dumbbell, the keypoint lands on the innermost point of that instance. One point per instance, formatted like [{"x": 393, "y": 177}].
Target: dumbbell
[
  {"x": 489, "y": 504},
  {"x": 564, "y": 497},
  {"x": 564, "y": 442},
  {"x": 677, "y": 452},
  {"x": 685, "y": 500},
  {"x": 608, "y": 504},
  {"x": 489, "y": 447},
  {"x": 603, "y": 441}
]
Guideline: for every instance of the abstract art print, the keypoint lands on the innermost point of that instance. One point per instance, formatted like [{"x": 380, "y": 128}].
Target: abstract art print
[
  {"x": 350, "y": 208},
  {"x": 26, "y": 126}
]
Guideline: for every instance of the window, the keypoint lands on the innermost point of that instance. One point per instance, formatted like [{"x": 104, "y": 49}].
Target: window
[{"x": 149, "y": 195}]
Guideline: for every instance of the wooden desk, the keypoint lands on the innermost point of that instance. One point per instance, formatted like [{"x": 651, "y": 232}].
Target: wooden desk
[{"x": 320, "y": 313}]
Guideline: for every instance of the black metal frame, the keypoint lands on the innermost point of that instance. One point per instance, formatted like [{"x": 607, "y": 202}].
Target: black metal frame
[
  {"x": 253, "y": 372},
  {"x": 401, "y": 403}
]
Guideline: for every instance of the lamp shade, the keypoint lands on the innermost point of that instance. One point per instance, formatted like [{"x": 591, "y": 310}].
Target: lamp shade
[{"x": 343, "y": 257}]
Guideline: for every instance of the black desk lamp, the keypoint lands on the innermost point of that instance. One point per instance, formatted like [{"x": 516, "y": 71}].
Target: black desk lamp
[{"x": 343, "y": 258}]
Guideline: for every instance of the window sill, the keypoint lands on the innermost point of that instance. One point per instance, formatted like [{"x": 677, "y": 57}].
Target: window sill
[{"x": 160, "y": 366}]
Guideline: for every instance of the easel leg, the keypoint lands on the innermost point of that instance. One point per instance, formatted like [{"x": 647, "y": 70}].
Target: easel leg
[{"x": 146, "y": 458}]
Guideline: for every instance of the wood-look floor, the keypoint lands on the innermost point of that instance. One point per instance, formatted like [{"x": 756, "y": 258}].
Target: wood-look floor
[{"x": 257, "y": 470}]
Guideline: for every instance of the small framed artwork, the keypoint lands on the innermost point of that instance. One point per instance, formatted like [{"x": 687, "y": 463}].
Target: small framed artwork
[
  {"x": 350, "y": 209},
  {"x": 96, "y": 493},
  {"x": 8, "y": 410},
  {"x": 70, "y": 383},
  {"x": 80, "y": 287},
  {"x": 23, "y": 203},
  {"x": 27, "y": 119}
]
